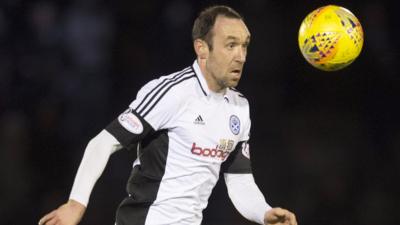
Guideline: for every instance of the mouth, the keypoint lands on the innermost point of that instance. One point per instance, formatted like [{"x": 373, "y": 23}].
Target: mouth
[{"x": 236, "y": 72}]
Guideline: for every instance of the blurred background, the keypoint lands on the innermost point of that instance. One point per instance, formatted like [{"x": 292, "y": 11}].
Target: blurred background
[{"x": 324, "y": 145}]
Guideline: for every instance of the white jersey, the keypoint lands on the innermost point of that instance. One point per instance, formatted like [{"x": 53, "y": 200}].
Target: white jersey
[{"x": 183, "y": 133}]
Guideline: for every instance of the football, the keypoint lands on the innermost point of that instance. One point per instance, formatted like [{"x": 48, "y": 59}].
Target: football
[{"x": 330, "y": 38}]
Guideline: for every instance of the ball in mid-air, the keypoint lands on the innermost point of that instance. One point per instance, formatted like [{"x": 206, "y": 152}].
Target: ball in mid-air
[{"x": 330, "y": 38}]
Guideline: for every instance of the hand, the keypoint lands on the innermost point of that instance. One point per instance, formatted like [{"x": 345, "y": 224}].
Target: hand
[
  {"x": 279, "y": 216},
  {"x": 70, "y": 213}
]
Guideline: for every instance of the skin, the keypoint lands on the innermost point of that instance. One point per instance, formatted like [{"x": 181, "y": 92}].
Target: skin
[
  {"x": 279, "y": 216},
  {"x": 70, "y": 213},
  {"x": 223, "y": 65},
  {"x": 222, "y": 68}
]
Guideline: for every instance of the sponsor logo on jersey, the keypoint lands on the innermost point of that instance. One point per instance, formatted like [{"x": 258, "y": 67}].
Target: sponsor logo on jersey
[
  {"x": 226, "y": 144},
  {"x": 199, "y": 120},
  {"x": 130, "y": 122},
  {"x": 209, "y": 152},
  {"x": 234, "y": 124},
  {"x": 220, "y": 151}
]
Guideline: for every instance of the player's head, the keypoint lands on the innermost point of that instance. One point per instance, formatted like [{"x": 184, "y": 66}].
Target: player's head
[
  {"x": 202, "y": 27},
  {"x": 220, "y": 39}
]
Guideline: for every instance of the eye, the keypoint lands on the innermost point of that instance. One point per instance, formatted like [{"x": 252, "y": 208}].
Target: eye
[{"x": 231, "y": 45}]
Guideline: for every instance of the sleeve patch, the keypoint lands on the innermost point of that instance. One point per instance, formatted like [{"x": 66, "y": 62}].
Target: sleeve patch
[
  {"x": 246, "y": 150},
  {"x": 130, "y": 122},
  {"x": 238, "y": 161}
]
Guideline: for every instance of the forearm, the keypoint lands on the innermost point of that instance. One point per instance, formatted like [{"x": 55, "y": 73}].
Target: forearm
[
  {"x": 246, "y": 196},
  {"x": 94, "y": 160}
]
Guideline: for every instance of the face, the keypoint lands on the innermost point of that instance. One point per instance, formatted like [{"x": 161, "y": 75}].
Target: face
[{"x": 224, "y": 64}]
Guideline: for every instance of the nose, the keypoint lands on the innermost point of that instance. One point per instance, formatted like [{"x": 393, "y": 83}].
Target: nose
[{"x": 241, "y": 55}]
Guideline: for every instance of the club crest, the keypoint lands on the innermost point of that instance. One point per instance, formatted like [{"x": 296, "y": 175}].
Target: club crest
[{"x": 234, "y": 124}]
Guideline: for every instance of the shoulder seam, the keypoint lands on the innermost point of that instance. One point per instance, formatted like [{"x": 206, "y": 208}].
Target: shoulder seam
[
  {"x": 238, "y": 93},
  {"x": 151, "y": 94},
  {"x": 160, "y": 93}
]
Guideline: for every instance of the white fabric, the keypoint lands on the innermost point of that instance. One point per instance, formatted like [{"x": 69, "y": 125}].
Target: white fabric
[
  {"x": 92, "y": 165},
  {"x": 162, "y": 114},
  {"x": 246, "y": 196},
  {"x": 200, "y": 138}
]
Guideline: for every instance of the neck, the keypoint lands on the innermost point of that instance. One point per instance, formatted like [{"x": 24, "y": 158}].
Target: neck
[{"x": 210, "y": 79}]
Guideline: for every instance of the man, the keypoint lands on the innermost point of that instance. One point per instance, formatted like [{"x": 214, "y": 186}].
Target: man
[{"x": 188, "y": 127}]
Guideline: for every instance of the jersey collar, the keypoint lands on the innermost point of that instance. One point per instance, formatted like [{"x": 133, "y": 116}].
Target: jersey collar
[
  {"x": 204, "y": 86},
  {"x": 201, "y": 79}
]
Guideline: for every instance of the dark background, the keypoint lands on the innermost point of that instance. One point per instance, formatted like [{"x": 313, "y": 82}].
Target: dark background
[{"x": 324, "y": 145}]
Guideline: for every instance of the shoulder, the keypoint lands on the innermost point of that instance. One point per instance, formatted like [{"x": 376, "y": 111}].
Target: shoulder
[
  {"x": 173, "y": 81},
  {"x": 170, "y": 80},
  {"x": 237, "y": 97},
  {"x": 243, "y": 111},
  {"x": 169, "y": 87}
]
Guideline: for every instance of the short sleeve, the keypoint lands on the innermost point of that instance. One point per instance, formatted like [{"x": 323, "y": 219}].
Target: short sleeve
[
  {"x": 129, "y": 128},
  {"x": 153, "y": 109},
  {"x": 158, "y": 103},
  {"x": 246, "y": 131},
  {"x": 239, "y": 160}
]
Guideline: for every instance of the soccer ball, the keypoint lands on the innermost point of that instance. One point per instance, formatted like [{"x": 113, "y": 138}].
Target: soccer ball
[{"x": 330, "y": 38}]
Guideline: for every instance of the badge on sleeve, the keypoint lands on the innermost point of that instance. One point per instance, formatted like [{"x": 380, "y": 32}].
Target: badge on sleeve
[
  {"x": 246, "y": 150},
  {"x": 130, "y": 122}
]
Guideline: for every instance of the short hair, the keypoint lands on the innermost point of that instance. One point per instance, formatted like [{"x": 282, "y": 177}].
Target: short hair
[{"x": 205, "y": 22}]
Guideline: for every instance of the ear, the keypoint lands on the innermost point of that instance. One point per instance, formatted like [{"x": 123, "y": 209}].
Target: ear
[{"x": 201, "y": 48}]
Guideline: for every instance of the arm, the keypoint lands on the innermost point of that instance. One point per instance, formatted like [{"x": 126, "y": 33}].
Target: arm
[
  {"x": 244, "y": 193},
  {"x": 141, "y": 119},
  {"x": 246, "y": 196},
  {"x": 249, "y": 201},
  {"x": 95, "y": 159},
  {"x": 92, "y": 165}
]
